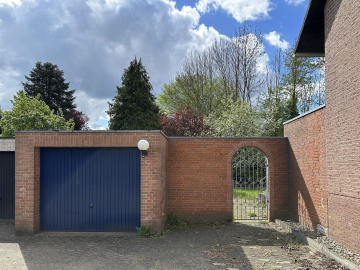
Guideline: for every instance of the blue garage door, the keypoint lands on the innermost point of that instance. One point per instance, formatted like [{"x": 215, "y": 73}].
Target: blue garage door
[{"x": 90, "y": 189}]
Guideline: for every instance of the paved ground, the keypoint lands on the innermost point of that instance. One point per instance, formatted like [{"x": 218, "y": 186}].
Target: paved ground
[{"x": 255, "y": 245}]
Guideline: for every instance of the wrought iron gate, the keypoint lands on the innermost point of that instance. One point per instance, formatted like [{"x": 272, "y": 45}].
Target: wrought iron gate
[{"x": 249, "y": 170}]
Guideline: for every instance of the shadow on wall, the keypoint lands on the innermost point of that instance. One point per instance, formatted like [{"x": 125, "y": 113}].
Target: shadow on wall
[{"x": 302, "y": 195}]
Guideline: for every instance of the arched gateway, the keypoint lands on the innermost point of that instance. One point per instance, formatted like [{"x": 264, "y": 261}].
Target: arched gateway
[{"x": 249, "y": 179}]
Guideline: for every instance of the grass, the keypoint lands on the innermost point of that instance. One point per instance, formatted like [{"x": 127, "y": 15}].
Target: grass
[
  {"x": 251, "y": 214},
  {"x": 246, "y": 193}
]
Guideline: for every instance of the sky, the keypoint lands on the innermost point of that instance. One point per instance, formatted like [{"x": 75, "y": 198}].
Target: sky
[{"x": 93, "y": 41}]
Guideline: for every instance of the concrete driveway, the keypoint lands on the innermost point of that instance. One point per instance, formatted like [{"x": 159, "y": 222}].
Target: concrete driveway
[{"x": 245, "y": 245}]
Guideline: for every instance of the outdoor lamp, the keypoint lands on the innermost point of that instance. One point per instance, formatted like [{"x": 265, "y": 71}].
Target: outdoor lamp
[{"x": 143, "y": 145}]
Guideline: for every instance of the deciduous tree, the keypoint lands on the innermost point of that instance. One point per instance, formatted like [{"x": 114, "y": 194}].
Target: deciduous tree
[
  {"x": 184, "y": 122},
  {"x": 80, "y": 119},
  {"x": 31, "y": 114},
  {"x": 234, "y": 119}
]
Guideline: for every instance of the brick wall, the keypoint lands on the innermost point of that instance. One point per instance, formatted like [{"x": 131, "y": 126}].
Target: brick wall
[
  {"x": 307, "y": 169},
  {"x": 342, "y": 50},
  {"x": 27, "y": 172},
  {"x": 200, "y": 176},
  {"x": 191, "y": 177}
]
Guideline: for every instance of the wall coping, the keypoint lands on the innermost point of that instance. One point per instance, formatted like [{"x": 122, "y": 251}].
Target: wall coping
[
  {"x": 304, "y": 114},
  {"x": 136, "y": 131},
  {"x": 90, "y": 131},
  {"x": 227, "y": 138},
  {"x": 94, "y": 131}
]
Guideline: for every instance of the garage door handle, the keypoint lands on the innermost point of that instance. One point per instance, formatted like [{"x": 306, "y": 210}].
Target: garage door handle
[{"x": 91, "y": 206}]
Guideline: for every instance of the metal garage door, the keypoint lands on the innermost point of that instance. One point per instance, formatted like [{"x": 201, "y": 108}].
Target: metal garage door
[
  {"x": 90, "y": 189},
  {"x": 7, "y": 185}
]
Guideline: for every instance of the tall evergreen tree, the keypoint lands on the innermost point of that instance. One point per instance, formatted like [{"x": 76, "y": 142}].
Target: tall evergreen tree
[
  {"x": 134, "y": 108},
  {"x": 48, "y": 81}
]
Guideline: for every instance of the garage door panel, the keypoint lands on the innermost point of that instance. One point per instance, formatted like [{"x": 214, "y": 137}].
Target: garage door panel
[{"x": 90, "y": 189}]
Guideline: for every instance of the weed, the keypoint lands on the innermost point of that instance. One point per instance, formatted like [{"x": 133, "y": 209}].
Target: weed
[
  {"x": 263, "y": 222},
  {"x": 143, "y": 232},
  {"x": 251, "y": 214},
  {"x": 172, "y": 220},
  {"x": 292, "y": 246}
]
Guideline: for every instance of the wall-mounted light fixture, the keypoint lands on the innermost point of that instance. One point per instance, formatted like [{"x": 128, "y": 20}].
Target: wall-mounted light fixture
[{"x": 143, "y": 145}]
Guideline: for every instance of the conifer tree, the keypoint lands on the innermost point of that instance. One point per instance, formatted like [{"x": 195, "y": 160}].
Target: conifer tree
[
  {"x": 134, "y": 108},
  {"x": 48, "y": 81}
]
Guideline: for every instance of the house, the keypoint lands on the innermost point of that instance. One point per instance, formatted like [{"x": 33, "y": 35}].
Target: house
[{"x": 324, "y": 145}]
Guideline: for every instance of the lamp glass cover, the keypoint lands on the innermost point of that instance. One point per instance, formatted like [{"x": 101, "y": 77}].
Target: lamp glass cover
[{"x": 143, "y": 145}]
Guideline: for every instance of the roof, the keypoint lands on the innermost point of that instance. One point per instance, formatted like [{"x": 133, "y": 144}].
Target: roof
[{"x": 311, "y": 41}]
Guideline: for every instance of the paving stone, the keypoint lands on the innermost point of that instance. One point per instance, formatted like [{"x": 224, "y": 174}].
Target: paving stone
[{"x": 196, "y": 247}]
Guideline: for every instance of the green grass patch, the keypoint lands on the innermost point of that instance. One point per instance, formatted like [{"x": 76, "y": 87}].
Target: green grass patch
[{"x": 239, "y": 193}]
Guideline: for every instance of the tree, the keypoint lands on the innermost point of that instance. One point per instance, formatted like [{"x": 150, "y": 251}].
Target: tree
[
  {"x": 80, "y": 119},
  {"x": 272, "y": 105},
  {"x": 48, "y": 81},
  {"x": 0, "y": 119},
  {"x": 31, "y": 114},
  {"x": 234, "y": 119},
  {"x": 245, "y": 55},
  {"x": 228, "y": 69},
  {"x": 199, "y": 94},
  {"x": 300, "y": 79},
  {"x": 184, "y": 122},
  {"x": 134, "y": 108}
]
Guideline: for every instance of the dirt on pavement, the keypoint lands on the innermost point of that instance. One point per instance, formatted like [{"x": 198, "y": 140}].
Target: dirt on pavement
[{"x": 238, "y": 245}]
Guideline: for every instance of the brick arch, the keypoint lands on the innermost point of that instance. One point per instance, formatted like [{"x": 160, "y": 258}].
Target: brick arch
[{"x": 271, "y": 167}]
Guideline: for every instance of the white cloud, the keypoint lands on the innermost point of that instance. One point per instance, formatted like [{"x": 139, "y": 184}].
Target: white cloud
[
  {"x": 274, "y": 39},
  {"x": 241, "y": 10},
  {"x": 94, "y": 41},
  {"x": 294, "y": 2},
  {"x": 10, "y": 2}
]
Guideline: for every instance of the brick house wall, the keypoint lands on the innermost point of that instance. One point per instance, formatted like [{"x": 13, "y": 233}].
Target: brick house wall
[
  {"x": 200, "y": 176},
  {"x": 27, "y": 172},
  {"x": 342, "y": 50},
  {"x": 307, "y": 168}
]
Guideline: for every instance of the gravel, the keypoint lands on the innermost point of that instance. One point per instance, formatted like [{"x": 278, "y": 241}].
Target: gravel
[{"x": 325, "y": 241}]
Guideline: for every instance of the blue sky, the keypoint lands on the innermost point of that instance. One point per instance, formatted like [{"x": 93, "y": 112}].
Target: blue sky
[{"x": 93, "y": 41}]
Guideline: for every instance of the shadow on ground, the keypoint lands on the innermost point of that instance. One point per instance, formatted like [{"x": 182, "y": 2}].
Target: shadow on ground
[{"x": 254, "y": 245}]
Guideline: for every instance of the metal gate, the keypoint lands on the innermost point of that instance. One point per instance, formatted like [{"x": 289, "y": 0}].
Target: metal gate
[
  {"x": 7, "y": 185},
  {"x": 90, "y": 189},
  {"x": 249, "y": 170}
]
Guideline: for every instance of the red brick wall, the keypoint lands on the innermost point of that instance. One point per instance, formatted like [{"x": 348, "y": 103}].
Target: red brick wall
[
  {"x": 200, "y": 176},
  {"x": 342, "y": 50},
  {"x": 307, "y": 169},
  {"x": 27, "y": 172}
]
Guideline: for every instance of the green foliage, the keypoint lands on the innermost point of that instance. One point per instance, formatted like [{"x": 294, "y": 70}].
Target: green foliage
[
  {"x": 272, "y": 113},
  {"x": 143, "y": 232},
  {"x": 245, "y": 193},
  {"x": 47, "y": 81},
  {"x": 233, "y": 119},
  {"x": 251, "y": 214},
  {"x": 199, "y": 93},
  {"x": 298, "y": 80},
  {"x": 31, "y": 114},
  {"x": 172, "y": 220},
  {"x": 134, "y": 108},
  {"x": 292, "y": 246}
]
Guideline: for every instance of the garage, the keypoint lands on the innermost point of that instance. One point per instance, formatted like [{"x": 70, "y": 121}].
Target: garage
[
  {"x": 7, "y": 184},
  {"x": 90, "y": 189}
]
